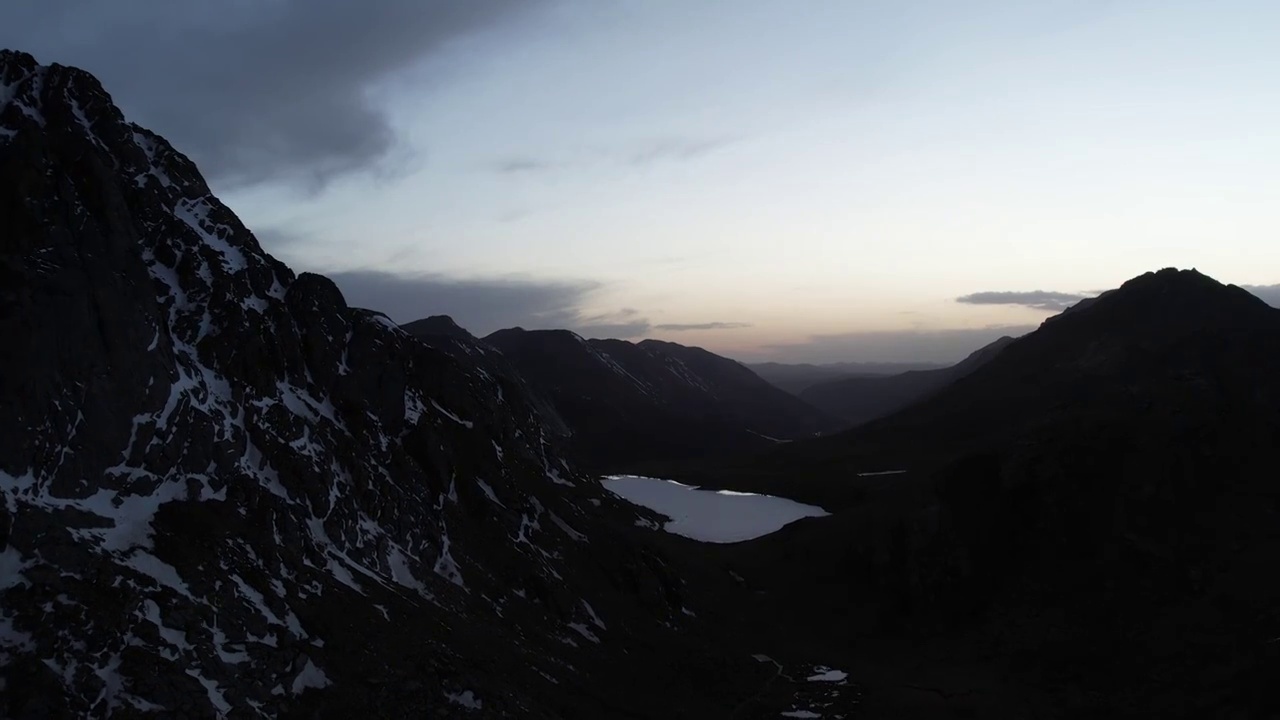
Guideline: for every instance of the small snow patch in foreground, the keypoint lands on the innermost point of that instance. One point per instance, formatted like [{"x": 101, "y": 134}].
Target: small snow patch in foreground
[
  {"x": 466, "y": 699},
  {"x": 310, "y": 677},
  {"x": 826, "y": 674},
  {"x": 800, "y": 714},
  {"x": 585, "y": 632}
]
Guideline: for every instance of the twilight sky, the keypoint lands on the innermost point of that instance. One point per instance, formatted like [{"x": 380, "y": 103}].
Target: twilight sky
[{"x": 827, "y": 180}]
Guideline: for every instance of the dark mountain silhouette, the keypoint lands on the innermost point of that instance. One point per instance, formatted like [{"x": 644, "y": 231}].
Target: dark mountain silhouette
[
  {"x": 796, "y": 377},
  {"x": 437, "y": 326},
  {"x": 628, "y": 404},
  {"x": 226, "y": 493},
  {"x": 442, "y": 333},
  {"x": 857, "y": 400},
  {"x": 1083, "y": 526}
]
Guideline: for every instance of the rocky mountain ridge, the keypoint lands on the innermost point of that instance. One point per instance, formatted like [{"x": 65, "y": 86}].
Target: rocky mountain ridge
[
  {"x": 226, "y": 493},
  {"x": 653, "y": 401}
]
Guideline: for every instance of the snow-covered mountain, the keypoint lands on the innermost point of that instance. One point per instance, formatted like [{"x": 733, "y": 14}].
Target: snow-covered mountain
[{"x": 228, "y": 493}]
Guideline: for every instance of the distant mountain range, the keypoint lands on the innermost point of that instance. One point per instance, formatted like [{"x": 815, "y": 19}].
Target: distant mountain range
[
  {"x": 619, "y": 405},
  {"x": 857, "y": 400},
  {"x": 796, "y": 377},
  {"x": 628, "y": 404}
]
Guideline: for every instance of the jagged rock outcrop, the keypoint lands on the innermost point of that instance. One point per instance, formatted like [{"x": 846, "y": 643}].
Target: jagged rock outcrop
[{"x": 227, "y": 493}]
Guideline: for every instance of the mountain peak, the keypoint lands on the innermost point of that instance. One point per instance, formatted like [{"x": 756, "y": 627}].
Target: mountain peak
[
  {"x": 438, "y": 325},
  {"x": 1169, "y": 301},
  {"x": 519, "y": 334}
]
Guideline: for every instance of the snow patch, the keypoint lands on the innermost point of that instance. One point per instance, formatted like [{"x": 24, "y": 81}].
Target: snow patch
[
  {"x": 158, "y": 570},
  {"x": 465, "y": 423},
  {"x": 310, "y": 677},
  {"x": 446, "y": 567},
  {"x": 11, "y": 566},
  {"x": 215, "y": 693},
  {"x": 488, "y": 491},
  {"x": 176, "y": 638},
  {"x": 195, "y": 214},
  {"x": 584, "y": 631},
  {"x": 826, "y": 674},
  {"x": 400, "y": 571},
  {"x": 595, "y": 619},
  {"x": 566, "y": 529},
  {"x": 466, "y": 699}
]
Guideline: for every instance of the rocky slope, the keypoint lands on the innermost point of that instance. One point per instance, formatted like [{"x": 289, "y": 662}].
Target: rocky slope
[
  {"x": 629, "y": 404},
  {"x": 227, "y": 493}
]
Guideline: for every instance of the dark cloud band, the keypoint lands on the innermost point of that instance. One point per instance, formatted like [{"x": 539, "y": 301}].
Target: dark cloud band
[
  {"x": 680, "y": 327},
  {"x": 1035, "y": 299},
  {"x": 479, "y": 305},
  {"x": 254, "y": 91}
]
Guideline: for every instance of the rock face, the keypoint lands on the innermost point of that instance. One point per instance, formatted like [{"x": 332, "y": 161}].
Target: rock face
[
  {"x": 631, "y": 403},
  {"x": 227, "y": 493}
]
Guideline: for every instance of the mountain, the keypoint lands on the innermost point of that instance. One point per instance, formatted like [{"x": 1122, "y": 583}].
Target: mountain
[
  {"x": 439, "y": 326},
  {"x": 442, "y": 333},
  {"x": 634, "y": 403},
  {"x": 1081, "y": 527},
  {"x": 795, "y": 378},
  {"x": 858, "y": 400},
  {"x": 225, "y": 492}
]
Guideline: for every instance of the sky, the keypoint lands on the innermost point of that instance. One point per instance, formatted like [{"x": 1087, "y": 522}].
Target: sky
[{"x": 822, "y": 181}]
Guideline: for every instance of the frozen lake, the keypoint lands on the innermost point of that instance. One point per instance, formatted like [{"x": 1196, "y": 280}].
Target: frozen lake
[{"x": 718, "y": 516}]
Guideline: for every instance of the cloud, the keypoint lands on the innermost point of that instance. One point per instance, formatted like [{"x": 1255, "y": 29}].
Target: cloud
[
  {"x": 483, "y": 305},
  {"x": 277, "y": 239},
  {"x": 1059, "y": 301},
  {"x": 1034, "y": 299},
  {"x": 1270, "y": 294},
  {"x": 625, "y": 323},
  {"x": 254, "y": 91},
  {"x": 640, "y": 154},
  {"x": 680, "y": 327},
  {"x": 931, "y": 346},
  {"x": 675, "y": 148},
  {"x": 619, "y": 331},
  {"x": 517, "y": 165}
]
